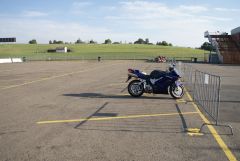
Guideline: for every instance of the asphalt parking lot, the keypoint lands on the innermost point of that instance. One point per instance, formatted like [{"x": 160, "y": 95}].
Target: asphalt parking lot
[{"x": 80, "y": 110}]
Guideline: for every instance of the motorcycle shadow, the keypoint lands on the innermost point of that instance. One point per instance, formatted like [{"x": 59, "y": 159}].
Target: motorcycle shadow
[{"x": 121, "y": 96}]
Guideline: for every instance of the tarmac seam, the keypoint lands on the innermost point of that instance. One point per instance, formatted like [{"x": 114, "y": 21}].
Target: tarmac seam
[
  {"x": 215, "y": 134},
  {"x": 112, "y": 118}
]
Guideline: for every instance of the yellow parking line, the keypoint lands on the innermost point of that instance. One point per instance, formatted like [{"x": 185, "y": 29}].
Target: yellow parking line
[
  {"x": 112, "y": 118},
  {"x": 39, "y": 80},
  {"x": 49, "y": 78},
  {"x": 193, "y": 132},
  {"x": 181, "y": 101},
  {"x": 215, "y": 134},
  {"x": 5, "y": 70}
]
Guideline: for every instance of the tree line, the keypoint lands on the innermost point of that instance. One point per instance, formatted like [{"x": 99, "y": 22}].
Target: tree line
[
  {"x": 107, "y": 41},
  {"x": 205, "y": 46}
]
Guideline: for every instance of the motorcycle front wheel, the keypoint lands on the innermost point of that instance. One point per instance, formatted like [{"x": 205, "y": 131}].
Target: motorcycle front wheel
[
  {"x": 177, "y": 92},
  {"x": 135, "y": 88}
]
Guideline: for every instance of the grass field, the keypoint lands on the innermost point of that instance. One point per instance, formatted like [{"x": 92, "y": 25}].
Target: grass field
[{"x": 92, "y": 51}]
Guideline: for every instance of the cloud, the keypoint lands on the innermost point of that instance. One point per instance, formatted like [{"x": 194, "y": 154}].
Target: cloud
[
  {"x": 34, "y": 14},
  {"x": 183, "y": 25},
  {"x": 153, "y": 14},
  {"x": 156, "y": 9},
  {"x": 108, "y": 8},
  {"x": 145, "y": 10},
  {"x": 82, "y": 4},
  {"x": 45, "y": 30},
  {"x": 226, "y": 9},
  {"x": 213, "y": 18},
  {"x": 193, "y": 9},
  {"x": 80, "y": 8}
]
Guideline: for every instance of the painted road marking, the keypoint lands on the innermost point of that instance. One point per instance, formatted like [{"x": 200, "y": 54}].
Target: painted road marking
[
  {"x": 50, "y": 78},
  {"x": 112, "y": 118},
  {"x": 194, "y": 132},
  {"x": 181, "y": 101},
  {"x": 5, "y": 70},
  {"x": 14, "y": 79},
  {"x": 215, "y": 134}
]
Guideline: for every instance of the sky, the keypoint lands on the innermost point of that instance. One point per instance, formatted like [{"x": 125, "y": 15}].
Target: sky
[{"x": 180, "y": 22}]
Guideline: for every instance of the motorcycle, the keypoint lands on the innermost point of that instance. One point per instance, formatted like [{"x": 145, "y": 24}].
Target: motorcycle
[{"x": 158, "y": 82}]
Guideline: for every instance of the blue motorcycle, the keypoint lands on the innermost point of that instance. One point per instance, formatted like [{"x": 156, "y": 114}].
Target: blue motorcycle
[{"x": 158, "y": 82}]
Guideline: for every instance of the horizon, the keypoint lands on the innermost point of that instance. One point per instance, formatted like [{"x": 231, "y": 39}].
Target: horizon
[{"x": 181, "y": 23}]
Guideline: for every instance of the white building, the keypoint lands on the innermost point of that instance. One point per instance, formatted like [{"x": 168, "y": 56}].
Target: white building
[{"x": 61, "y": 49}]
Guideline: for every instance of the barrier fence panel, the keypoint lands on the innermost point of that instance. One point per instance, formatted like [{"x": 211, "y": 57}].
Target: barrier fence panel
[
  {"x": 207, "y": 93},
  {"x": 187, "y": 74},
  {"x": 205, "y": 89}
]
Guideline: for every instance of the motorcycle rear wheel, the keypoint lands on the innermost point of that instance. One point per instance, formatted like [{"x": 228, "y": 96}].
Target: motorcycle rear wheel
[{"x": 135, "y": 88}]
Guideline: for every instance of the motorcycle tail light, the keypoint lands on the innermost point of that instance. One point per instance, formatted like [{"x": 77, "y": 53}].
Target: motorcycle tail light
[{"x": 130, "y": 70}]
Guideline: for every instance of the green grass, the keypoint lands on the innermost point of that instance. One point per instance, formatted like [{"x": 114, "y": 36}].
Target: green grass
[{"x": 92, "y": 51}]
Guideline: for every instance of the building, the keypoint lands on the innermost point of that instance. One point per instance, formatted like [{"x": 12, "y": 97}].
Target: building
[
  {"x": 61, "y": 49},
  {"x": 236, "y": 35},
  {"x": 227, "y": 46}
]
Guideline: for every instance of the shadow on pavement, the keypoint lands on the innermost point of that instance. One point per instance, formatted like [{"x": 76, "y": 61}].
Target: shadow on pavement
[
  {"x": 100, "y": 95},
  {"x": 94, "y": 114}
]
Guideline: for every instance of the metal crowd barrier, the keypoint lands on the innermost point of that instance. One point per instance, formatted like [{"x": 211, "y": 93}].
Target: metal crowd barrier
[
  {"x": 188, "y": 76},
  {"x": 205, "y": 89}
]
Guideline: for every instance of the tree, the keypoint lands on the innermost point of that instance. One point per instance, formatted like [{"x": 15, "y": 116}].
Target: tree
[
  {"x": 60, "y": 42},
  {"x": 92, "y": 42},
  {"x": 139, "y": 41},
  {"x": 107, "y": 41},
  {"x": 33, "y": 41},
  {"x": 207, "y": 46},
  {"x": 164, "y": 43},
  {"x": 79, "y": 41},
  {"x": 146, "y": 41},
  {"x": 56, "y": 42}
]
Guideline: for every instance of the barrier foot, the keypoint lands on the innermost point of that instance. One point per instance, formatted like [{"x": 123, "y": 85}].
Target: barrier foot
[{"x": 229, "y": 126}]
